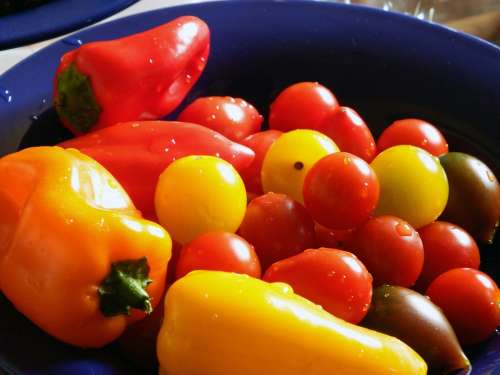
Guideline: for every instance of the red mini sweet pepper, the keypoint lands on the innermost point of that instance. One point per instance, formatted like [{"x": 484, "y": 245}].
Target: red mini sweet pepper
[
  {"x": 136, "y": 153},
  {"x": 144, "y": 76}
]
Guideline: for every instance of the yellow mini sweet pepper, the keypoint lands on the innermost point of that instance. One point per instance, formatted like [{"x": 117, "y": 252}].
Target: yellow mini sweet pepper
[
  {"x": 220, "y": 323},
  {"x": 76, "y": 257}
]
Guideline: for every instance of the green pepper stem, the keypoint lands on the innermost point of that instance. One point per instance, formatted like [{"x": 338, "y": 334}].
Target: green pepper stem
[
  {"x": 125, "y": 288},
  {"x": 75, "y": 101}
]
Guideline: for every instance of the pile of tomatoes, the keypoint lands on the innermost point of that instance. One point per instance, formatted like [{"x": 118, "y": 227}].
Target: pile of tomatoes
[{"x": 330, "y": 211}]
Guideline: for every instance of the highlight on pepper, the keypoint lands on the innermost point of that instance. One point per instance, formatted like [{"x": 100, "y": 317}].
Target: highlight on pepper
[
  {"x": 144, "y": 76},
  {"x": 76, "y": 258}
]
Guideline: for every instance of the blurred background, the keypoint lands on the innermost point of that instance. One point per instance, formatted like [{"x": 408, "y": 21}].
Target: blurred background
[
  {"x": 479, "y": 17},
  {"x": 436, "y": 10}
]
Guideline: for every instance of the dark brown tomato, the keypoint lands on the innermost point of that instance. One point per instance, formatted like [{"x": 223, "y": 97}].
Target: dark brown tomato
[
  {"x": 474, "y": 197},
  {"x": 415, "y": 320}
]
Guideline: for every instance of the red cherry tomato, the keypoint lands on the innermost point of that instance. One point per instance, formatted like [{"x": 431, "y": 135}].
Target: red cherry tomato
[
  {"x": 232, "y": 117},
  {"x": 332, "y": 238},
  {"x": 391, "y": 250},
  {"x": 341, "y": 191},
  {"x": 470, "y": 299},
  {"x": 446, "y": 246},
  {"x": 332, "y": 278},
  {"x": 302, "y": 105},
  {"x": 348, "y": 130},
  {"x": 413, "y": 132},
  {"x": 218, "y": 251},
  {"x": 259, "y": 143},
  {"x": 278, "y": 227}
]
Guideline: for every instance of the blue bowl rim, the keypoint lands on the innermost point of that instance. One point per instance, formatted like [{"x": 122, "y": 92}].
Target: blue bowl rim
[{"x": 431, "y": 26}]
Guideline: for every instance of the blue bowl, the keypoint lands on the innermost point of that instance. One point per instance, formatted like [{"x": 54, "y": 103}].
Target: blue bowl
[{"x": 385, "y": 65}]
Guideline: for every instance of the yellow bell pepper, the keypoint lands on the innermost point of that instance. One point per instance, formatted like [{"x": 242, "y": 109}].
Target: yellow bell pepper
[
  {"x": 219, "y": 323},
  {"x": 76, "y": 257}
]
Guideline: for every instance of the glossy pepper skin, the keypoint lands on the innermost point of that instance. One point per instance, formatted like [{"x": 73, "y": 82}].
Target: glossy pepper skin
[
  {"x": 225, "y": 323},
  {"x": 76, "y": 258},
  {"x": 144, "y": 76},
  {"x": 136, "y": 153}
]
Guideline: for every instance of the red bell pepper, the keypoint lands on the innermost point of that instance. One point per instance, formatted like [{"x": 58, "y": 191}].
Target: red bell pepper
[
  {"x": 144, "y": 76},
  {"x": 136, "y": 153}
]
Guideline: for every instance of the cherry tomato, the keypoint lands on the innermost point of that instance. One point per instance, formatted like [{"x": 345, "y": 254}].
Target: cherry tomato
[
  {"x": 470, "y": 300},
  {"x": 446, "y": 246},
  {"x": 278, "y": 227},
  {"x": 218, "y": 251},
  {"x": 232, "y": 117},
  {"x": 332, "y": 278},
  {"x": 289, "y": 159},
  {"x": 414, "y": 132},
  {"x": 302, "y": 105},
  {"x": 333, "y": 238},
  {"x": 348, "y": 130},
  {"x": 413, "y": 185},
  {"x": 391, "y": 250},
  {"x": 474, "y": 201},
  {"x": 341, "y": 191},
  {"x": 198, "y": 194},
  {"x": 259, "y": 143}
]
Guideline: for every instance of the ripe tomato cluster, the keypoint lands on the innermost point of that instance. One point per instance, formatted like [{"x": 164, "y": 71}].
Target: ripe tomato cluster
[{"x": 332, "y": 212}]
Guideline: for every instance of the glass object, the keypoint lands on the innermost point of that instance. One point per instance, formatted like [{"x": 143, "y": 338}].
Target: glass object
[{"x": 434, "y": 10}]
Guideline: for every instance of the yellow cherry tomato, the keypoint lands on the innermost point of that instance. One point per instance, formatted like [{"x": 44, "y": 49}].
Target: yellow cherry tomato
[
  {"x": 198, "y": 194},
  {"x": 289, "y": 159},
  {"x": 413, "y": 185}
]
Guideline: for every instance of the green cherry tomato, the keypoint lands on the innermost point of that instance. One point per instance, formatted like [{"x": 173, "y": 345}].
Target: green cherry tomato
[
  {"x": 290, "y": 158},
  {"x": 413, "y": 185}
]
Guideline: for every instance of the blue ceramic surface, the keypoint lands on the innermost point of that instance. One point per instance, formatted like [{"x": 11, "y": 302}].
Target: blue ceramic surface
[
  {"x": 384, "y": 65},
  {"x": 56, "y": 17}
]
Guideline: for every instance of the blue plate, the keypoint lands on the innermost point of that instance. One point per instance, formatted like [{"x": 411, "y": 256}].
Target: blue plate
[
  {"x": 56, "y": 17},
  {"x": 383, "y": 64}
]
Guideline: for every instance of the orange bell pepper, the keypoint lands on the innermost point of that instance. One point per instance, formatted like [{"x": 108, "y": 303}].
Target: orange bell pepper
[{"x": 76, "y": 257}]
